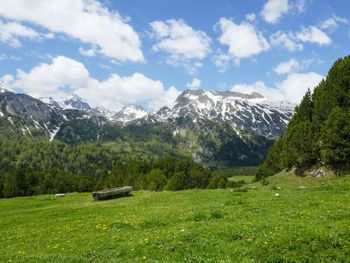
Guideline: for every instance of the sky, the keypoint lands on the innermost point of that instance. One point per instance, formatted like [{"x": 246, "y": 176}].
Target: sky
[{"x": 115, "y": 53}]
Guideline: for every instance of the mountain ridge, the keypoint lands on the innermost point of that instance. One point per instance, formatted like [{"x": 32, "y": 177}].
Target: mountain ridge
[{"x": 226, "y": 128}]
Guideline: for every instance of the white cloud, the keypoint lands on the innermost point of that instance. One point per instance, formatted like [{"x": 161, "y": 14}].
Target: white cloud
[
  {"x": 293, "y": 40},
  {"x": 259, "y": 87},
  {"x": 88, "y": 52},
  {"x": 291, "y": 89},
  {"x": 177, "y": 38},
  {"x": 52, "y": 78},
  {"x": 333, "y": 22},
  {"x": 273, "y": 10},
  {"x": 167, "y": 99},
  {"x": 184, "y": 44},
  {"x": 251, "y": 17},
  {"x": 195, "y": 84},
  {"x": 243, "y": 40},
  {"x": 222, "y": 61},
  {"x": 65, "y": 75},
  {"x": 6, "y": 81},
  {"x": 11, "y": 32},
  {"x": 287, "y": 67},
  {"x": 88, "y": 21},
  {"x": 313, "y": 34},
  {"x": 287, "y": 40}
]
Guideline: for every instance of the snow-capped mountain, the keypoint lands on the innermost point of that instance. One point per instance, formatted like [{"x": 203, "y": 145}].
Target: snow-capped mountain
[
  {"x": 215, "y": 127},
  {"x": 130, "y": 113},
  {"x": 74, "y": 102},
  {"x": 2, "y": 89},
  {"x": 247, "y": 113},
  {"x": 71, "y": 102}
]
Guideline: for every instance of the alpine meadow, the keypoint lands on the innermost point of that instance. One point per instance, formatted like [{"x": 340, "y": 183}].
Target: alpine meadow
[{"x": 174, "y": 131}]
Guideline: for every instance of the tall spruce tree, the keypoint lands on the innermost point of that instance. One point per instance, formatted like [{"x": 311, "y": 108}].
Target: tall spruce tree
[{"x": 319, "y": 131}]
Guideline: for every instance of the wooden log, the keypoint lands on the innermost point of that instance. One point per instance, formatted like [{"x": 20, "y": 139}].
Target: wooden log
[{"x": 110, "y": 193}]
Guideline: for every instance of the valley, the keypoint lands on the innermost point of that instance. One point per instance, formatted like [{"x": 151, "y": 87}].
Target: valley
[
  {"x": 249, "y": 224},
  {"x": 174, "y": 131}
]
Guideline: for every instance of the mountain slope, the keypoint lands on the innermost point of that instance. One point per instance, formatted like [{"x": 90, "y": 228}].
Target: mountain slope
[
  {"x": 246, "y": 113},
  {"x": 129, "y": 113},
  {"x": 319, "y": 131},
  {"x": 216, "y": 128}
]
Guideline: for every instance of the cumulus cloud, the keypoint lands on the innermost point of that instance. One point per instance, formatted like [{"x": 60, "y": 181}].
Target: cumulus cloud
[
  {"x": 195, "y": 84},
  {"x": 243, "y": 40},
  {"x": 64, "y": 76},
  {"x": 258, "y": 87},
  {"x": 91, "y": 52},
  {"x": 293, "y": 41},
  {"x": 333, "y": 22},
  {"x": 167, "y": 99},
  {"x": 287, "y": 40},
  {"x": 52, "y": 78},
  {"x": 86, "y": 20},
  {"x": 291, "y": 89},
  {"x": 183, "y": 43},
  {"x": 177, "y": 38},
  {"x": 251, "y": 17},
  {"x": 287, "y": 67},
  {"x": 11, "y": 32},
  {"x": 273, "y": 10},
  {"x": 313, "y": 34}
]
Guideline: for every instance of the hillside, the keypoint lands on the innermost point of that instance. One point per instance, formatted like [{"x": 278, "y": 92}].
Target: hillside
[
  {"x": 215, "y": 128},
  {"x": 241, "y": 225},
  {"x": 318, "y": 134}
]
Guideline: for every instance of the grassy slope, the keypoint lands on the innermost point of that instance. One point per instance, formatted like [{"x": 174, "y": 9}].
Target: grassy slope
[
  {"x": 189, "y": 226},
  {"x": 246, "y": 178}
]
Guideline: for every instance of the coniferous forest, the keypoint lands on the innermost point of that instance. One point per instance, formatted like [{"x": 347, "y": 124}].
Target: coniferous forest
[
  {"x": 37, "y": 166},
  {"x": 319, "y": 132}
]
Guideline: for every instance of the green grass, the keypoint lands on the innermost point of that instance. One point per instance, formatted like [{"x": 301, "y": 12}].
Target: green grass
[
  {"x": 249, "y": 224},
  {"x": 246, "y": 178}
]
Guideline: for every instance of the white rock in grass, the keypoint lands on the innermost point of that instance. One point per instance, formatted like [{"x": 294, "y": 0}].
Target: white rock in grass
[
  {"x": 277, "y": 194},
  {"x": 59, "y": 195},
  {"x": 302, "y": 187}
]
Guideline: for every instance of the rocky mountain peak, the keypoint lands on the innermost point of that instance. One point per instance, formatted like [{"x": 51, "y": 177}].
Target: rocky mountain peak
[
  {"x": 129, "y": 113},
  {"x": 246, "y": 113}
]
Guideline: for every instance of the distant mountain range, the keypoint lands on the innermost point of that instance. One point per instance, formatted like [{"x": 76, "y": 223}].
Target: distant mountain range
[{"x": 216, "y": 127}]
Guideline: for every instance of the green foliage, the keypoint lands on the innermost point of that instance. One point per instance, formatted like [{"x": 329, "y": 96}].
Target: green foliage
[
  {"x": 36, "y": 166},
  {"x": 177, "y": 182},
  {"x": 155, "y": 180},
  {"x": 218, "y": 181},
  {"x": 319, "y": 131},
  {"x": 335, "y": 138}
]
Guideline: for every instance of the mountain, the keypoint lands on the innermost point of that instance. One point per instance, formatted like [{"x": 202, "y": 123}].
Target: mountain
[
  {"x": 213, "y": 127},
  {"x": 74, "y": 102},
  {"x": 246, "y": 113},
  {"x": 318, "y": 135},
  {"x": 129, "y": 113}
]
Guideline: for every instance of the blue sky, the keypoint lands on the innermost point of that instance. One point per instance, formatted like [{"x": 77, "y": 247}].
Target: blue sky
[{"x": 113, "y": 53}]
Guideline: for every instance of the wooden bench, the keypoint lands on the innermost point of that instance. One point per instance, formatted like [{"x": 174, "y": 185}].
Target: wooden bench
[{"x": 111, "y": 193}]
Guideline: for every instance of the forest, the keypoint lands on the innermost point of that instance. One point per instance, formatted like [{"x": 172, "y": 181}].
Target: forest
[
  {"x": 319, "y": 131},
  {"x": 37, "y": 166}
]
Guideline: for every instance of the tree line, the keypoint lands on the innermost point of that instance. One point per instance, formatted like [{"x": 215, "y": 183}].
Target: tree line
[
  {"x": 319, "y": 131},
  {"x": 36, "y": 166}
]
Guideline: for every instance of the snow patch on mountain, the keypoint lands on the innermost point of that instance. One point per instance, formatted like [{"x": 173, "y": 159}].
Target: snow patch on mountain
[
  {"x": 130, "y": 113},
  {"x": 74, "y": 102},
  {"x": 246, "y": 113}
]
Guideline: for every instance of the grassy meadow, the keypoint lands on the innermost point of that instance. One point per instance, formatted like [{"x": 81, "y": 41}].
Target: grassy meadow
[{"x": 256, "y": 223}]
